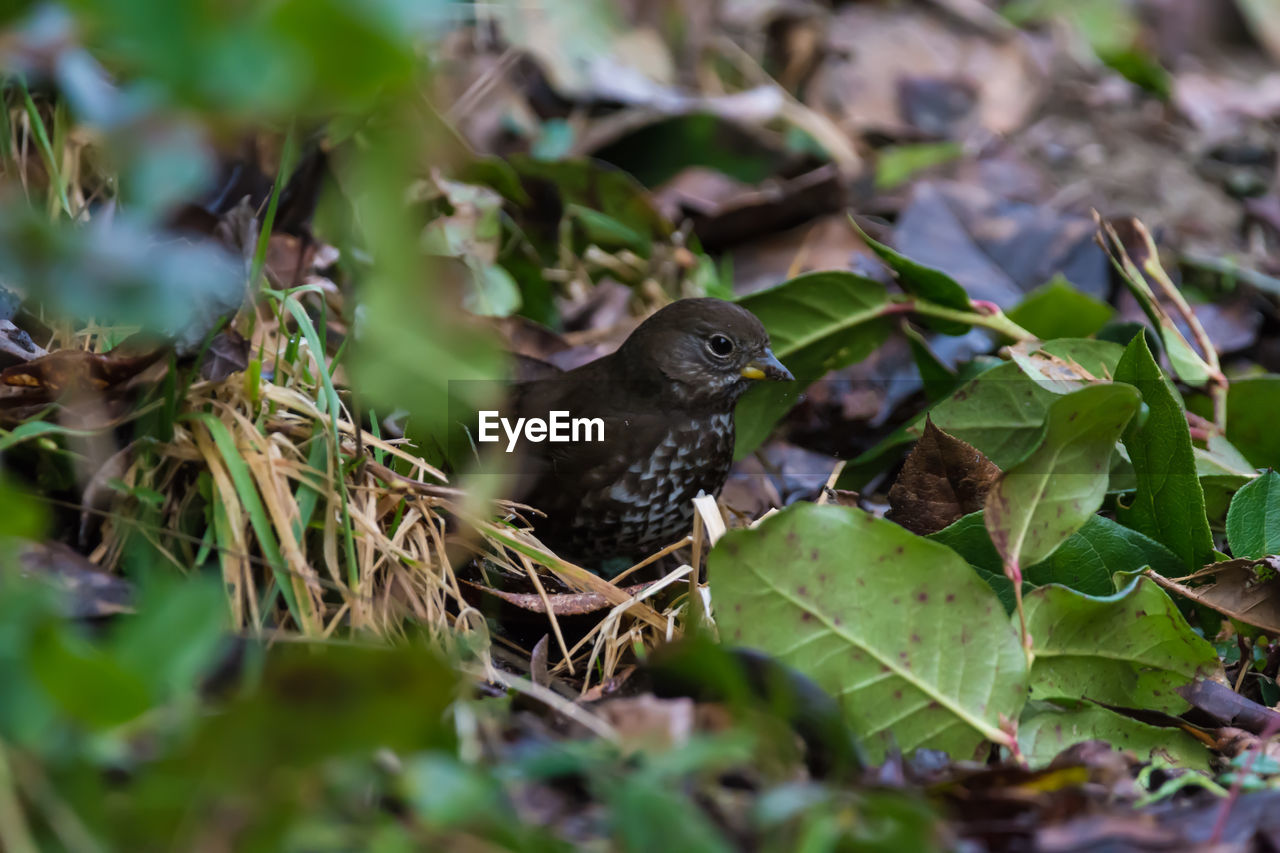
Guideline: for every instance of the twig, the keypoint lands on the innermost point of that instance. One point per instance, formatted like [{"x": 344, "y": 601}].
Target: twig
[
  {"x": 651, "y": 559},
  {"x": 556, "y": 702},
  {"x": 830, "y": 485}
]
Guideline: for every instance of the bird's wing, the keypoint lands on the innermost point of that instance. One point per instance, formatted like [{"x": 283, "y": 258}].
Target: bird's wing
[{"x": 590, "y": 464}]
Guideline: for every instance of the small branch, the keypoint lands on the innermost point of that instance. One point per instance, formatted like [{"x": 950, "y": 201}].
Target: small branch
[{"x": 1217, "y": 381}]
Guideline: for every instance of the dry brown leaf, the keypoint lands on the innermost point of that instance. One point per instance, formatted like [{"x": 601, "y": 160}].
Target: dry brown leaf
[
  {"x": 1237, "y": 590},
  {"x": 1228, "y": 706},
  {"x": 943, "y": 479},
  {"x": 561, "y": 603},
  {"x": 77, "y": 369},
  {"x": 875, "y": 48}
]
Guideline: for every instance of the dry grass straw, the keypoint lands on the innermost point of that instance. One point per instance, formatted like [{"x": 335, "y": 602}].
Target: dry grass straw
[
  {"x": 262, "y": 478},
  {"x": 250, "y": 480}
]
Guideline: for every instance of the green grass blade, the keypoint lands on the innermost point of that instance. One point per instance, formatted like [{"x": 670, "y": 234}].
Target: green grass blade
[{"x": 242, "y": 479}]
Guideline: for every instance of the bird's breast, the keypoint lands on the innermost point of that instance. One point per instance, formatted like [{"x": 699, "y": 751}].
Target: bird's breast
[{"x": 651, "y": 499}]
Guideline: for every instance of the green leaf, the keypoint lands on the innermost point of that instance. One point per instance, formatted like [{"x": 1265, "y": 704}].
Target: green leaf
[
  {"x": 897, "y": 627},
  {"x": 657, "y": 152},
  {"x": 817, "y": 322},
  {"x": 1042, "y": 500},
  {"x": 1219, "y": 462},
  {"x": 1253, "y": 520},
  {"x": 651, "y": 814},
  {"x": 897, "y": 164},
  {"x": 924, "y": 282},
  {"x": 1132, "y": 648},
  {"x": 1168, "y": 505},
  {"x": 1047, "y": 732},
  {"x": 22, "y": 515},
  {"x": 89, "y": 685},
  {"x": 938, "y": 379},
  {"x": 175, "y": 635},
  {"x": 1058, "y": 310},
  {"x": 607, "y": 206},
  {"x": 1001, "y": 412},
  {"x": 1085, "y": 562},
  {"x": 1252, "y": 404}
]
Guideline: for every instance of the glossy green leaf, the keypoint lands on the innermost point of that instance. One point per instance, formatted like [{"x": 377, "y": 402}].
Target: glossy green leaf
[
  {"x": 817, "y": 322},
  {"x": 1042, "y": 500},
  {"x": 897, "y": 627},
  {"x": 1132, "y": 648},
  {"x": 925, "y": 282},
  {"x": 1168, "y": 505},
  {"x": 1001, "y": 412},
  {"x": 1058, "y": 310},
  {"x": 1086, "y": 561},
  {"x": 1253, "y": 521},
  {"x": 1252, "y": 403}
]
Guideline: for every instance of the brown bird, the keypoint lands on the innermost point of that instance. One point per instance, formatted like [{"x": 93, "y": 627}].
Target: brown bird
[{"x": 665, "y": 399}]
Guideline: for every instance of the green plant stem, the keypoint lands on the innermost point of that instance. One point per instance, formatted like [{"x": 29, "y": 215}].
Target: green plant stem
[
  {"x": 995, "y": 322},
  {"x": 1014, "y": 573}
]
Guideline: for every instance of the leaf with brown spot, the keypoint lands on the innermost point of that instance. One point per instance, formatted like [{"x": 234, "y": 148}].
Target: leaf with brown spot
[
  {"x": 1246, "y": 590},
  {"x": 940, "y": 670},
  {"x": 942, "y": 480},
  {"x": 1132, "y": 649},
  {"x": 1045, "y": 734}
]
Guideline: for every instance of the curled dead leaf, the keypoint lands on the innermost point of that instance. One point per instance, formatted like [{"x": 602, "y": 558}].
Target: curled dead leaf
[
  {"x": 942, "y": 480},
  {"x": 1247, "y": 590}
]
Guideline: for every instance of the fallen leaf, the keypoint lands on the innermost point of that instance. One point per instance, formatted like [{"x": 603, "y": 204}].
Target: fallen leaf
[
  {"x": 1224, "y": 704},
  {"x": 942, "y": 480},
  {"x": 1247, "y": 590},
  {"x": 562, "y": 603},
  {"x": 65, "y": 370}
]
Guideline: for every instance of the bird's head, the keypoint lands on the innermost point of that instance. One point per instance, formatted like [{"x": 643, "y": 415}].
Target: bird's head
[{"x": 710, "y": 349}]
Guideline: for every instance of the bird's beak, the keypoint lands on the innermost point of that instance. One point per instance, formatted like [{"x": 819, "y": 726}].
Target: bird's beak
[{"x": 766, "y": 366}]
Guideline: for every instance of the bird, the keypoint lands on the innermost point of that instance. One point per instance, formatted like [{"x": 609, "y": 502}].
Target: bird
[{"x": 665, "y": 399}]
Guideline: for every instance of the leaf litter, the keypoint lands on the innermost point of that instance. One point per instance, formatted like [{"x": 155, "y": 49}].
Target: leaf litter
[{"x": 325, "y": 523}]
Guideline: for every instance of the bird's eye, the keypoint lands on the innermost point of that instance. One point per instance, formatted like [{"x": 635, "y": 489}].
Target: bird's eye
[{"x": 719, "y": 345}]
